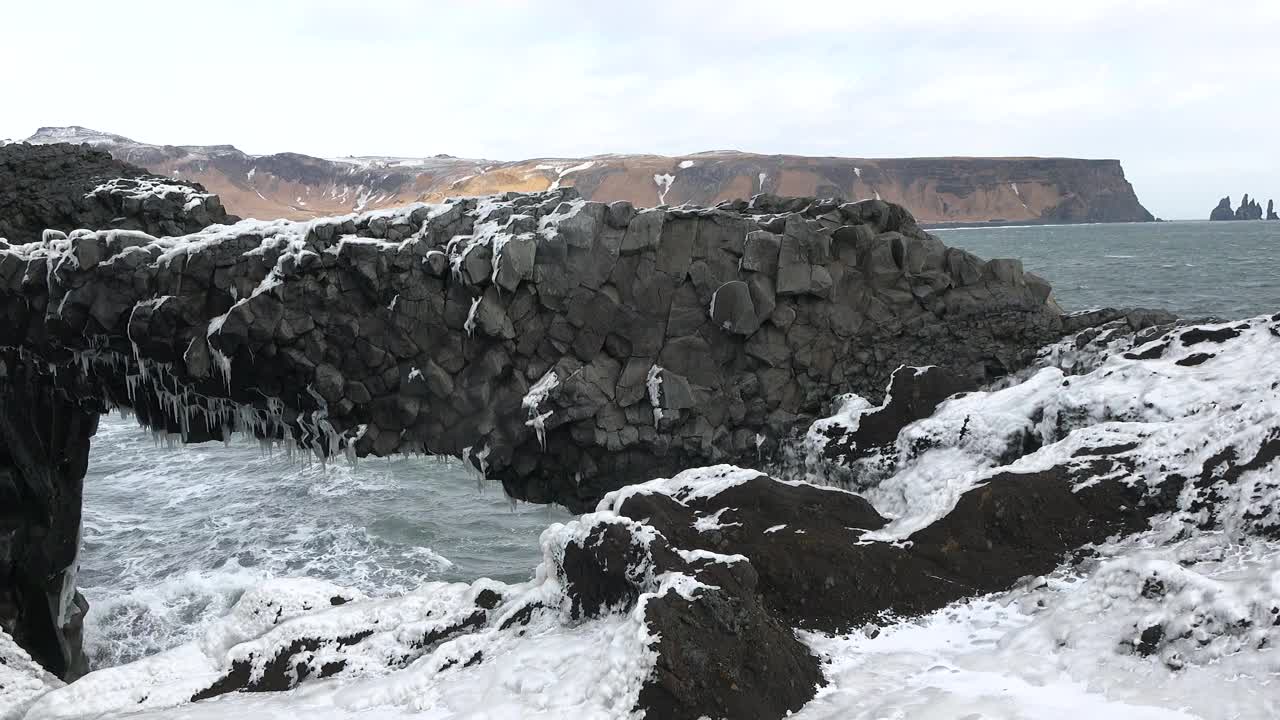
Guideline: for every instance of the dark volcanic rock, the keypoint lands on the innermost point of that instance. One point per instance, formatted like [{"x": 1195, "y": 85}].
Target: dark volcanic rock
[
  {"x": 69, "y": 187},
  {"x": 1271, "y": 210},
  {"x": 721, "y": 564},
  {"x": 656, "y": 346},
  {"x": 694, "y": 586},
  {"x": 1223, "y": 211},
  {"x": 913, "y": 394},
  {"x": 1248, "y": 210},
  {"x": 44, "y": 452},
  {"x": 563, "y": 347}
]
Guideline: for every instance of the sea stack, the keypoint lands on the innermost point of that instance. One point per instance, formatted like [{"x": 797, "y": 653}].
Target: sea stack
[
  {"x": 1223, "y": 211},
  {"x": 1250, "y": 209},
  {"x": 1271, "y": 210}
]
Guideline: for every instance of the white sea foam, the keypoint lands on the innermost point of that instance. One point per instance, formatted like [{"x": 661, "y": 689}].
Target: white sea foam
[{"x": 172, "y": 537}]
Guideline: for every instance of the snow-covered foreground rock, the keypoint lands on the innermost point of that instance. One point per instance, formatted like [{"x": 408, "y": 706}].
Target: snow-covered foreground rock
[
  {"x": 1096, "y": 541},
  {"x": 22, "y": 680},
  {"x": 1079, "y": 643}
]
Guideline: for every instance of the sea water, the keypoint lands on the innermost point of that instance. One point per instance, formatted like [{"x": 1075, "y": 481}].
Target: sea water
[
  {"x": 172, "y": 537},
  {"x": 1196, "y": 269}
]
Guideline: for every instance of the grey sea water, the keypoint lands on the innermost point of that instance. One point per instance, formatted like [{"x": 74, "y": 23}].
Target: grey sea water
[
  {"x": 173, "y": 536},
  {"x": 1226, "y": 269}
]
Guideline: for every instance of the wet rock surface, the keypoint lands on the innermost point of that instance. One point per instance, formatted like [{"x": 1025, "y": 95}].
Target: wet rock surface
[{"x": 44, "y": 453}]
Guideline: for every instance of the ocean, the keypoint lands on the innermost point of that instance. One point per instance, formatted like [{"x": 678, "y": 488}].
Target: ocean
[
  {"x": 1195, "y": 269},
  {"x": 173, "y": 536}
]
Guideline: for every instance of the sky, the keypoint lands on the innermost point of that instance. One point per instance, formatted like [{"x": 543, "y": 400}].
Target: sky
[{"x": 1185, "y": 94}]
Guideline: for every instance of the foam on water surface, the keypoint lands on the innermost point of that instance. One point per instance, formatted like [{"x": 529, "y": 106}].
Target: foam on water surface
[{"x": 173, "y": 537}]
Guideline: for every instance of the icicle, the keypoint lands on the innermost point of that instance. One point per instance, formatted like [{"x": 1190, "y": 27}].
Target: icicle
[
  {"x": 534, "y": 398},
  {"x": 223, "y": 365},
  {"x": 479, "y": 464},
  {"x": 470, "y": 324},
  {"x": 654, "y": 384}
]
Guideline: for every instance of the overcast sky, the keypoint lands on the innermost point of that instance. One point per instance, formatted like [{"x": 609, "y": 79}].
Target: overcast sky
[{"x": 1186, "y": 94}]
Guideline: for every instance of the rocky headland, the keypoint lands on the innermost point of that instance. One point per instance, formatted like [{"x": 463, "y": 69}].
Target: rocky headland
[
  {"x": 936, "y": 191},
  {"x": 964, "y": 434}
]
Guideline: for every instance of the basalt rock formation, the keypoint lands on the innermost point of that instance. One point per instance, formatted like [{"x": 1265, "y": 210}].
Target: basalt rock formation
[
  {"x": 686, "y": 592},
  {"x": 66, "y": 187},
  {"x": 1248, "y": 210},
  {"x": 563, "y": 347},
  {"x": 1223, "y": 211},
  {"x": 1271, "y": 210},
  {"x": 568, "y": 348},
  {"x": 945, "y": 190}
]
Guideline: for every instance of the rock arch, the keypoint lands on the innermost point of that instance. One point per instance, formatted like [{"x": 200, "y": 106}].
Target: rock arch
[{"x": 563, "y": 347}]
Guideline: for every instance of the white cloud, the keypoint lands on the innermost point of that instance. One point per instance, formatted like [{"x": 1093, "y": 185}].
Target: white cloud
[{"x": 1176, "y": 90}]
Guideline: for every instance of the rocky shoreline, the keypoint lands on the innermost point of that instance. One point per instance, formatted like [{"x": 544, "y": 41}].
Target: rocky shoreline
[
  {"x": 575, "y": 350},
  {"x": 708, "y": 576}
]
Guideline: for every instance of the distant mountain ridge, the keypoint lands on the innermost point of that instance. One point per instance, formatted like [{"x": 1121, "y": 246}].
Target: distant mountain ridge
[{"x": 939, "y": 190}]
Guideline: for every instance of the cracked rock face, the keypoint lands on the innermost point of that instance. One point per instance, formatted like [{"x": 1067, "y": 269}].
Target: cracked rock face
[
  {"x": 661, "y": 338},
  {"x": 565, "y": 348}
]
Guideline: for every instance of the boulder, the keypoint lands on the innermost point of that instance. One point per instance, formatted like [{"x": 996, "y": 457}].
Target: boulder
[{"x": 733, "y": 309}]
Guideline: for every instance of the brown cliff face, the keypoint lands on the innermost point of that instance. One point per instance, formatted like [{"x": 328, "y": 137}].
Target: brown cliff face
[{"x": 935, "y": 190}]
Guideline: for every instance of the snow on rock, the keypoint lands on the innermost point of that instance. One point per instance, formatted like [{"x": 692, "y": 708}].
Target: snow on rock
[
  {"x": 141, "y": 188},
  {"x": 663, "y": 181},
  {"x": 581, "y": 638},
  {"x": 437, "y": 648},
  {"x": 1177, "y": 399},
  {"x": 533, "y": 400},
  {"x": 1177, "y": 621},
  {"x": 22, "y": 680},
  {"x": 692, "y": 484},
  {"x": 707, "y": 523},
  {"x": 331, "y": 316},
  {"x": 1178, "y": 631},
  {"x": 1124, "y": 564},
  {"x": 653, "y": 388},
  {"x": 561, "y": 170}
]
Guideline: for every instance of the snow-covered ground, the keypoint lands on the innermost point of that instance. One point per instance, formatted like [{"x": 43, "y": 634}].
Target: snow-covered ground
[
  {"x": 1067, "y": 645},
  {"x": 1179, "y": 621}
]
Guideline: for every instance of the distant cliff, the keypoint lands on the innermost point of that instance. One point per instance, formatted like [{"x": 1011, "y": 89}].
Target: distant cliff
[
  {"x": 1248, "y": 210},
  {"x": 935, "y": 190}
]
